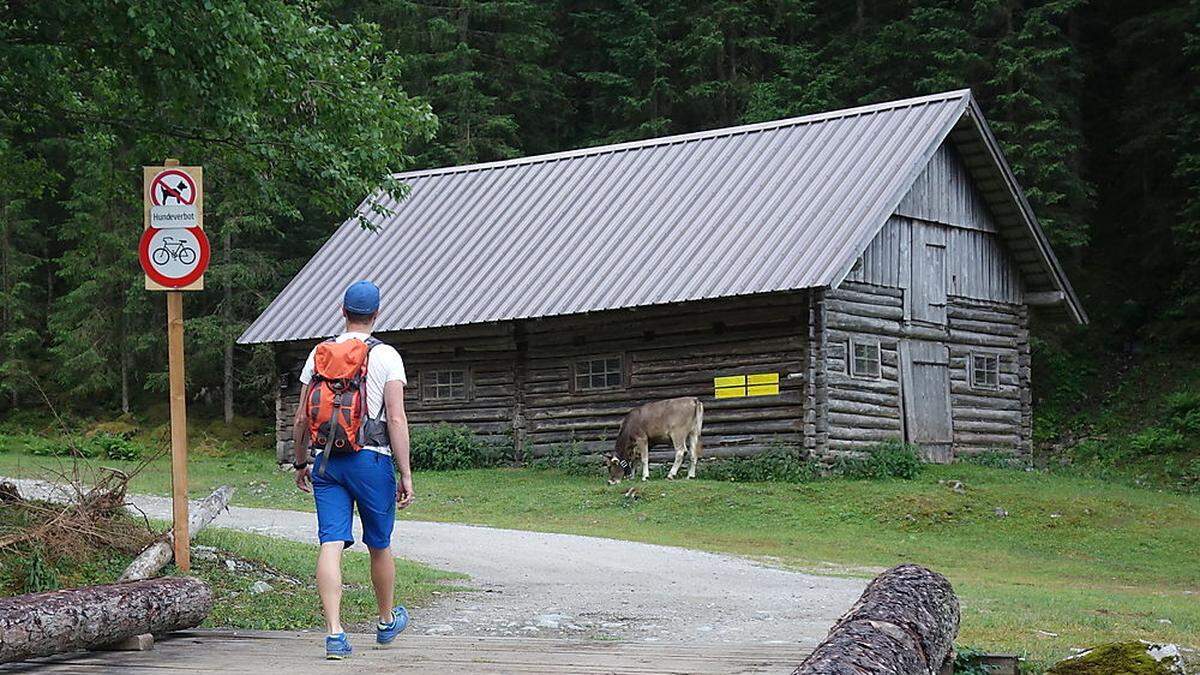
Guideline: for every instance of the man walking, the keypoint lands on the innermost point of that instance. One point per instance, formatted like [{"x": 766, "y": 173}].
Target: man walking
[{"x": 352, "y": 415}]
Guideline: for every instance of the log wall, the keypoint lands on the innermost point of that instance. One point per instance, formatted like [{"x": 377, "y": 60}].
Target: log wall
[
  {"x": 862, "y": 412},
  {"x": 487, "y": 353},
  {"x": 850, "y": 414},
  {"x": 520, "y": 374},
  {"x": 670, "y": 351},
  {"x": 990, "y": 420}
]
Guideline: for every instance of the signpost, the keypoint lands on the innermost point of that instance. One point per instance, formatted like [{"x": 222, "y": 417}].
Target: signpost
[{"x": 174, "y": 253}]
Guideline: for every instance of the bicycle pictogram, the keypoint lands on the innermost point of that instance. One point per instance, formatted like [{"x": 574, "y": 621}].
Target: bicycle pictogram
[{"x": 173, "y": 248}]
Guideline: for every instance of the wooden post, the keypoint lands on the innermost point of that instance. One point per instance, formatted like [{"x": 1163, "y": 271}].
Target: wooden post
[{"x": 179, "y": 484}]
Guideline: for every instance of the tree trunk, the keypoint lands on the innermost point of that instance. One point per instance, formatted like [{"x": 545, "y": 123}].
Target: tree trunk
[
  {"x": 158, "y": 554},
  {"x": 904, "y": 624},
  {"x": 39, "y": 624},
  {"x": 227, "y": 315},
  {"x": 125, "y": 366}
]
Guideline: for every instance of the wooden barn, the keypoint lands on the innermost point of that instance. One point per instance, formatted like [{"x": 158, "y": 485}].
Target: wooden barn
[{"x": 825, "y": 282}]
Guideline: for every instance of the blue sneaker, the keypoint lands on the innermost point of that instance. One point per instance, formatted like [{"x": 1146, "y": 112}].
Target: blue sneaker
[
  {"x": 386, "y": 632},
  {"x": 337, "y": 647}
]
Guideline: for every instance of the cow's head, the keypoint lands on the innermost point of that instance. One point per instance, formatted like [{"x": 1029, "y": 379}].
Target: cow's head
[{"x": 618, "y": 468}]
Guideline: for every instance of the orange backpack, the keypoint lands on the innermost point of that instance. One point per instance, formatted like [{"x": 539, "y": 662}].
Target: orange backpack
[{"x": 337, "y": 397}]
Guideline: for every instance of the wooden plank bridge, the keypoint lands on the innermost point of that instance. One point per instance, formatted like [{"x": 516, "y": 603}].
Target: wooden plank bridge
[{"x": 229, "y": 651}]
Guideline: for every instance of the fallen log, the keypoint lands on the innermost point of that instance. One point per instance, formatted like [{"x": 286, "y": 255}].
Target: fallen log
[
  {"x": 904, "y": 624},
  {"x": 157, "y": 555},
  {"x": 40, "y": 624}
]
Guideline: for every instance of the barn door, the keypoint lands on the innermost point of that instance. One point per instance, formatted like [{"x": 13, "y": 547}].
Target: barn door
[
  {"x": 925, "y": 379},
  {"x": 928, "y": 273}
]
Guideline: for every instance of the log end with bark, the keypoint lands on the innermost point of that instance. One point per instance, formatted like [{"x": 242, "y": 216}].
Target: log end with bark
[
  {"x": 40, "y": 624},
  {"x": 904, "y": 623}
]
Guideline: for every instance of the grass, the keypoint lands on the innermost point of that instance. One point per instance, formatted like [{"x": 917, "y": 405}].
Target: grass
[
  {"x": 291, "y": 602},
  {"x": 1074, "y": 562},
  {"x": 288, "y": 568}
]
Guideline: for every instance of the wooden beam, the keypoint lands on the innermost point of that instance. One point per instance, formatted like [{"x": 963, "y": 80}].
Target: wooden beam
[{"x": 1045, "y": 298}]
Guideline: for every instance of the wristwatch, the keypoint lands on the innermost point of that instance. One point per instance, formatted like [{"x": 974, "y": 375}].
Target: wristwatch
[{"x": 300, "y": 466}]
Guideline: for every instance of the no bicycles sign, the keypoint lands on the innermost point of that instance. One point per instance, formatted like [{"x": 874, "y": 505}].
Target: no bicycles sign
[{"x": 173, "y": 249}]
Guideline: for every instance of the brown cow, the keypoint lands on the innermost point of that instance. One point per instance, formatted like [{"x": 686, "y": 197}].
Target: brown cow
[{"x": 676, "y": 421}]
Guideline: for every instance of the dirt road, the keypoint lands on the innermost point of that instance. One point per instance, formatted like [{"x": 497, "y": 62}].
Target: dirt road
[{"x": 534, "y": 584}]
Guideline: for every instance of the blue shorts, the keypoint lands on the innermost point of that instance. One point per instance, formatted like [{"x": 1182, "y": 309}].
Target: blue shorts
[{"x": 365, "y": 478}]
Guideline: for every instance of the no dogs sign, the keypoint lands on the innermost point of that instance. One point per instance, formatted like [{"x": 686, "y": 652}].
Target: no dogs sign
[{"x": 173, "y": 249}]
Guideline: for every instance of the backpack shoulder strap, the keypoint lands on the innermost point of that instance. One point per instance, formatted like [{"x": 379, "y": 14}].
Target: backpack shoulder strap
[{"x": 372, "y": 343}]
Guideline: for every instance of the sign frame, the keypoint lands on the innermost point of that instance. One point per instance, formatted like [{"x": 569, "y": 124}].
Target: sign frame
[{"x": 195, "y": 175}]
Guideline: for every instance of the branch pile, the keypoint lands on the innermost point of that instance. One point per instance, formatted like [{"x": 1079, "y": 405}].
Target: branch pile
[{"x": 90, "y": 517}]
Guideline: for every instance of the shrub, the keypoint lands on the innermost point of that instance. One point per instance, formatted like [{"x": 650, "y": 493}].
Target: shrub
[
  {"x": 1181, "y": 403},
  {"x": 779, "y": 464},
  {"x": 891, "y": 459},
  {"x": 1188, "y": 422},
  {"x": 1102, "y": 453},
  {"x": 568, "y": 458},
  {"x": 995, "y": 459},
  {"x": 1158, "y": 440},
  {"x": 112, "y": 446},
  {"x": 446, "y": 448},
  {"x": 59, "y": 447}
]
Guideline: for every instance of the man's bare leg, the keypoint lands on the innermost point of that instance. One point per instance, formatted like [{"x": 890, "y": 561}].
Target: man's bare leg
[
  {"x": 329, "y": 584},
  {"x": 383, "y": 578}
]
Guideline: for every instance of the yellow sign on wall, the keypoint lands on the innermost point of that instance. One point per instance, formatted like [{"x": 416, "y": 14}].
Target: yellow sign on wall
[{"x": 739, "y": 386}]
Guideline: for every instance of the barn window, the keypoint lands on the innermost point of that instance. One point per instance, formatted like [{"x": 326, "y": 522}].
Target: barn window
[
  {"x": 444, "y": 385},
  {"x": 985, "y": 371},
  {"x": 605, "y": 372},
  {"x": 864, "y": 359}
]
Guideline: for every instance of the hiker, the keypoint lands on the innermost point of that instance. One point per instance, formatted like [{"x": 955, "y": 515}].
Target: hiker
[{"x": 351, "y": 416}]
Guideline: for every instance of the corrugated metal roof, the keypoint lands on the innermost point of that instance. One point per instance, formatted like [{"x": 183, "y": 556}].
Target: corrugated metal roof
[{"x": 749, "y": 209}]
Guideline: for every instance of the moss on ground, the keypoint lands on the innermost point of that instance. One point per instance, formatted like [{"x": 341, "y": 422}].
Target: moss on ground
[{"x": 1121, "y": 658}]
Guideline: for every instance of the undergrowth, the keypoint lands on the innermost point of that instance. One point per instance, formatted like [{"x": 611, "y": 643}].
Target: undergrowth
[{"x": 446, "y": 447}]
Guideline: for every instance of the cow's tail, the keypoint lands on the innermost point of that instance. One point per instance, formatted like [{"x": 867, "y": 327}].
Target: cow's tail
[{"x": 699, "y": 422}]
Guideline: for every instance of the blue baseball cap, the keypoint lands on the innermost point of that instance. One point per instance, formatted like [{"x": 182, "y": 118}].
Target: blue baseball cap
[{"x": 361, "y": 298}]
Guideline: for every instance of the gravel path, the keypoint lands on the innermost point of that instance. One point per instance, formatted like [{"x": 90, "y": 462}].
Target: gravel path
[{"x": 535, "y": 584}]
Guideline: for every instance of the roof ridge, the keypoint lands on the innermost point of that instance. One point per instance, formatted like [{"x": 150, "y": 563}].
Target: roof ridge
[{"x": 692, "y": 136}]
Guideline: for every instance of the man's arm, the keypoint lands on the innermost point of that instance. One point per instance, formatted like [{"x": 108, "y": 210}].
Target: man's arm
[
  {"x": 397, "y": 428},
  {"x": 300, "y": 440}
]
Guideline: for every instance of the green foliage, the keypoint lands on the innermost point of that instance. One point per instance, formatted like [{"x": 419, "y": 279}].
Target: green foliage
[
  {"x": 967, "y": 661},
  {"x": 446, "y": 448},
  {"x": 1157, "y": 441},
  {"x": 891, "y": 459},
  {"x": 111, "y": 446},
  {"x": 996, "y": 459},
  {"x": 568, "y": 458},
  {"x": 105, "y": 446},
  {"x": 38, "y": 574},
  {"x": 296, "y": 118},
  {"x": 783, "y": 464},
  {"x": 777, "y": 464}
]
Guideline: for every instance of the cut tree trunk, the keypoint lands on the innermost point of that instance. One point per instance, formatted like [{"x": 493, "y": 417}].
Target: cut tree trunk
[
  {"x": 904, "y": 624},
  {"x": 39, "y": 624},
  {"x": 157, "y": 555}
]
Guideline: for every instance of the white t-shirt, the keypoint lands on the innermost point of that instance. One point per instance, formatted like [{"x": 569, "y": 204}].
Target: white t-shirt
[{"x": 385, "y": 365}]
